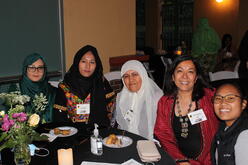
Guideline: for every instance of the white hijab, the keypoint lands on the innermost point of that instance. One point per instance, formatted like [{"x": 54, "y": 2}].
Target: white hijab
[{"x": 143, "y": 103}]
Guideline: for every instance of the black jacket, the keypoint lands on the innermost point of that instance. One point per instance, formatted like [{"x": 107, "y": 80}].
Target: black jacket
[{"x": 225, "y": 141}]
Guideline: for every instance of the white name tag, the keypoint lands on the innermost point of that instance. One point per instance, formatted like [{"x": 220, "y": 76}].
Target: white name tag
[
  {"x": 83, "y": 109},
  {"x": 197, "y": 116}
]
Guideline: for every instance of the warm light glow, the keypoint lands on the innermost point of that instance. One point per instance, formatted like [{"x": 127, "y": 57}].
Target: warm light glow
[
  {"x": 219, "y": 1},
  {"x": 65, "y": 157},
  {"x": 178, "y": 52}
]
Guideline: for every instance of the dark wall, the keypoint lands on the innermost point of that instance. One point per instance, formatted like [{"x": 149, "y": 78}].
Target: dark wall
[{"x": 28, "y": 26}]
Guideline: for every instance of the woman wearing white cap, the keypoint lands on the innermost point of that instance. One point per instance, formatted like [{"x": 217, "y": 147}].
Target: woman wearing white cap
[{"x": 136, "y": 107}]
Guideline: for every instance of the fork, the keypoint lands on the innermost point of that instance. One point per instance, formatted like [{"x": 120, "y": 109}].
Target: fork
[{"x": 122, "y": 135}]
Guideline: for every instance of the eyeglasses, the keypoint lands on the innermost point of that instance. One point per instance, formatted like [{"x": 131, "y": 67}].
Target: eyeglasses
[
  {"x": 228, "y": 98},
  {"x": 33, "y": 68}
]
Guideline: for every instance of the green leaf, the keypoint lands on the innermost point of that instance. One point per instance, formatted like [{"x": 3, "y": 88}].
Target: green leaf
[
  {"x": 8, "y": 144},
  {"x": 40, "y": 138},
  {"x": 3, "y": 136}
]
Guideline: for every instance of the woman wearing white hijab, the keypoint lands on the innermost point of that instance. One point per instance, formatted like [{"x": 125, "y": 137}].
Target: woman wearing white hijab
[{"x": 136, "y": 107}]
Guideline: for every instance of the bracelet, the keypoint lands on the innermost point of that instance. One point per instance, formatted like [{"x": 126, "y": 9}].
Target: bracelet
[{"x": 181, "y": 160}]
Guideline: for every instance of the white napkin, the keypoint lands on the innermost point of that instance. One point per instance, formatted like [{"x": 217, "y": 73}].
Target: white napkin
[
  {"x": 96, "y": 163},
  {"x": 50, "y": 136}
]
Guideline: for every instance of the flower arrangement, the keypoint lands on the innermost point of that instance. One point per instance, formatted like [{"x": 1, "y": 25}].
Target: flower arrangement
[{"x": 18, "y": 126}]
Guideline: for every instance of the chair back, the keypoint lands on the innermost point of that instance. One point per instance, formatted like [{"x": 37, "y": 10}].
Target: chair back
[
  {"x": 166, "y": 62},
  {"x": 221, "y": 75},
  {"x": 114, "y": 75},
  {"x": 55, "y": 83},
  {"x": 149, "y": 71},
  {"x": 114, "y": 79}
]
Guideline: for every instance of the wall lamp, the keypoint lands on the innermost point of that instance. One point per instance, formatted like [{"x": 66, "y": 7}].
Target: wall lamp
[{"x": 219, "y": 1}]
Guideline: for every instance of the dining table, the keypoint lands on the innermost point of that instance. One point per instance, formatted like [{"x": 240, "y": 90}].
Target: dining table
[{"x": 80, "y": 144}]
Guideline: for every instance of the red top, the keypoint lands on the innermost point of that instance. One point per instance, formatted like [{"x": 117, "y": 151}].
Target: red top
[{"x": 164, "y": 132}]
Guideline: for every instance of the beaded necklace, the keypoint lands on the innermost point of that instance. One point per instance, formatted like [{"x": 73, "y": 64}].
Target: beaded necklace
[{"x": 183, "y": 121}]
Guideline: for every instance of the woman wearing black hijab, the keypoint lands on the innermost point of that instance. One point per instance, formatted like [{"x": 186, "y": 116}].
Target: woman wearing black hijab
[{"x": 85, "y": 96}]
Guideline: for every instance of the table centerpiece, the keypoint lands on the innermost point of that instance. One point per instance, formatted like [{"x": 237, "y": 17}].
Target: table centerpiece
[{"x": 18, "y": 125}]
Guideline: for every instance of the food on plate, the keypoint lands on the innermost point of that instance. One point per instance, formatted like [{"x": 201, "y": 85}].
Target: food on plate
[
  {"x": 62, "y": 131},
  {"x": 56, "y": 131},
  {"x": 113, "y": 139}
]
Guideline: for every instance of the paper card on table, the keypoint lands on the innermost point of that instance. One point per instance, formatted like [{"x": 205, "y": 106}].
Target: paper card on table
[
  {"x": 96, "y": 163},
  {"x": 131, "y": 162}
]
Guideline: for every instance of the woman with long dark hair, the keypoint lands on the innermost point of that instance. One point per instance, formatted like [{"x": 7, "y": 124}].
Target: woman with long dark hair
[
  {"x": 186, "y": 123},
  {"x": 85, "y": 96}
]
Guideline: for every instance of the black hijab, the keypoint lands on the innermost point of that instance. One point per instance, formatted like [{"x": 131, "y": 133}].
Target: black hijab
[{"x": 82, "y": 86}]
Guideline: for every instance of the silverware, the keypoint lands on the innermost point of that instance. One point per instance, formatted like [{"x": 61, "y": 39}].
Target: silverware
[
  {"x": 48, "y": 129},
  {"x": 84, "y": 140},
  {"x": 122, "y": 135}
]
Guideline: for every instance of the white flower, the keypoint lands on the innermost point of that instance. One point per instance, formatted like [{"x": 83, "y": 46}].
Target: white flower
[
  {"x": 33, "y": 120},
  {"x": 18, "y": 108},
  {"x": 2, "y": 113},
  {"x": 21, "y": 99},
  {"x": 40, "y": 102},
  {"x": 15, "y": 98},
  {"x": 16, "y": 101}
]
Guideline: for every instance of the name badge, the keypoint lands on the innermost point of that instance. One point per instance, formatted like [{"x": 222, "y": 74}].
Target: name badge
[
  {"x": 83, "y": 109},
  {"x": 197, "y": 116}
]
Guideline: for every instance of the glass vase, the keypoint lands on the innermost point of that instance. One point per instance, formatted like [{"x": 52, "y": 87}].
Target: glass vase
[{"x": 22, "y": 154}]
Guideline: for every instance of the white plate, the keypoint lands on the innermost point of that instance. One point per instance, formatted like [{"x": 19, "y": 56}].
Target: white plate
[
  {"x": 72, "y": 129},
  {"x": 126, "y": 141}
]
